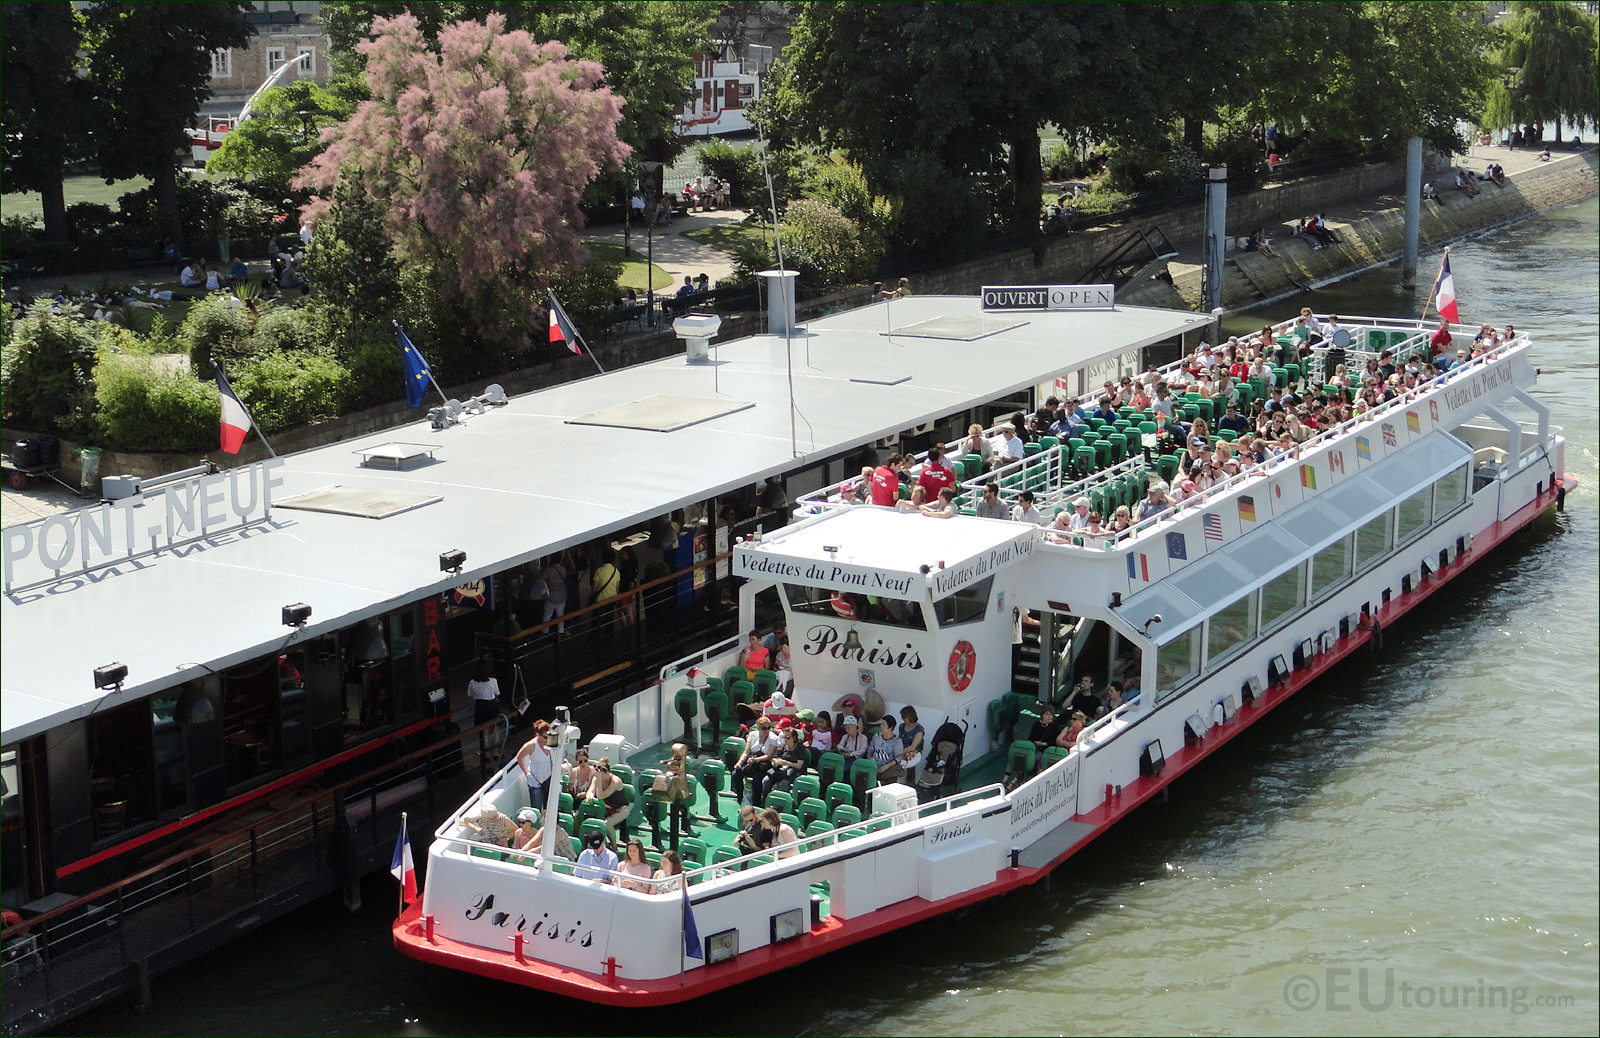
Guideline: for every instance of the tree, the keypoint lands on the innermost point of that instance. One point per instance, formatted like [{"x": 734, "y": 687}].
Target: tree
[
  {"x": 47, "y": 107},
  {"x": 284, "y": 132},
  {"x": 480, "y": 154},
  {"x": 151, "y": 63},
  {"x": 1549, "y": 55}
]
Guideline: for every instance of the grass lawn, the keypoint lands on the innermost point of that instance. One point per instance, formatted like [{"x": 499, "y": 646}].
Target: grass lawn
[
  {"x": 734, "y": 238},
  {"x": 632, "y": 267},
  {"x": 80, "y": 189}
]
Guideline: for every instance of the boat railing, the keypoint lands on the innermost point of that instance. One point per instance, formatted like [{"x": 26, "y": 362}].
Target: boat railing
[{"x": 1264, "y": 470}]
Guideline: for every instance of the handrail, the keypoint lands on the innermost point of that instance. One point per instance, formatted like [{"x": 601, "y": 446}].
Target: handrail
[{"x": 219, "y": 842}]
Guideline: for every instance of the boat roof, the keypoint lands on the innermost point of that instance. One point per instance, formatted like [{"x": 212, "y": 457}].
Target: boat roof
[
  {"x": 550, "y": 469},
  {"x": 887, "y": 550}
]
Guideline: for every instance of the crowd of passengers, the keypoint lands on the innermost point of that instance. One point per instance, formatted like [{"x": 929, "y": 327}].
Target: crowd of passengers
[
  {"x": 1059, "y": 724},
  {"x": 1263, "y": 431},
  {"x": 781, "y": 743}
]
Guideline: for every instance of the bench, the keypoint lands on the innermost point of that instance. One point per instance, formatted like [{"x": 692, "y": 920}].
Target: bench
[{"x": 145, "y": 258}]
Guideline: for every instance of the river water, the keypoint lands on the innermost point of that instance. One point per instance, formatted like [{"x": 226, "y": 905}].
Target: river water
[{"x": 1409, "y": 846}]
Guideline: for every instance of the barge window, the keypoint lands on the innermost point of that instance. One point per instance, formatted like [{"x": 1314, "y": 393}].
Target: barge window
[
  {"x": 1450, "y": 491},
  {"x": 853, "y": 605},
  {"x": 1331, "y": 565},
  {"x": 1373, "y": 541},
  {"x": 1177, "y": 661},
  {"x": 1282, "y": 598},
  {"x": 121, "y": 768},
  {"x": 965, "y": 606},
  {"x": 1232, "y": 628},
  {"x": 1412, "y": 516}
]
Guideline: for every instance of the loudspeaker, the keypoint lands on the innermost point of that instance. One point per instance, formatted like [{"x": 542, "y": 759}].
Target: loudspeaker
[
  {"x": 1152, "y": 760},
  {"x": 1303, "y": 653},
  {"x": 1229, "y": 705},
  {"x": 1277, "y": 671},
  {"x": 1251, "y": 689},
  {"x": 1194, "y": 730}
]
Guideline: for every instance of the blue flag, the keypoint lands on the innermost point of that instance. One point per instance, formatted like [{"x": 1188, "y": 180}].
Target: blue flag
[
  {"x": 691, "y": 932},
  {"x": 418, "y": 374}
]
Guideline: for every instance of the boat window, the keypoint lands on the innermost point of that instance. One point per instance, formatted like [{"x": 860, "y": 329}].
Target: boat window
[
  {"x": 1232, "y": 629},
  {"x": 121, "y": 763},
  {"x": 1412, "y": 516},
  {"x": 852, "y": 605},
  {"x": 1177, "y": 661},
  {"x": 965, "y": 606},
  {"x": 1331, "y": 565},
  {"x": 1449, "y": 491},
  {"x": 1283, "y": 597},
  {"x": 1373, "y": 541}
]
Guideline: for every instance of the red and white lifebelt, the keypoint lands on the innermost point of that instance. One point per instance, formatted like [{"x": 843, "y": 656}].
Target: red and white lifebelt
[{"x": 963, "y": 663}]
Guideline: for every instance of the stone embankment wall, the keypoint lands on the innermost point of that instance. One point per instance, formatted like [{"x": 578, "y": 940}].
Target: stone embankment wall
[{"x": 1376, "y": 237}]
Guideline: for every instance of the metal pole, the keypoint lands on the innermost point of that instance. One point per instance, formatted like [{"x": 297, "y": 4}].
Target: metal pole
[
  {"x": 1216, "y": 233},
  {"x": 1408, "y": 263}
]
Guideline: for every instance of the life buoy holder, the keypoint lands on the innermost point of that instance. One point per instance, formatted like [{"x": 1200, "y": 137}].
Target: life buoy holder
[{"x": 963, "y": 663}]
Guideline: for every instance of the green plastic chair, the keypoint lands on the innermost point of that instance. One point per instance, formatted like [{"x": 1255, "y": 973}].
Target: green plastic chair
[
  {"x": 811, "y": 809},
  {"x": 1020, "y": 757},
  {"x": 819, "y": 828},
  {"x": 1227, "y": 434},
  {"x": 831, "y": 768},
  {"x": 765, "y": 682},
  {"x": 1048, "y": 442},
  {"x": 839, "y": 795},
  {"x": 806, "y": 786},
  {"x": 863, "y": 778},
  {"x": 780, "y": 801},
  {"x": 693, "y": 850},
  {"x": 1167, "y": 465},
  {"x": 1031, "y": 449},
  {"x": 742, "y": 691},
  {"x": 726, "y": 853},
  {"x": 848, "y": 814},
  {"x": 1053, "y": 754}
]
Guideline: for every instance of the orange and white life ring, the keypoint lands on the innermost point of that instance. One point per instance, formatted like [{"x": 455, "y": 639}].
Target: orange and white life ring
[{"x": 963, "y": 664}]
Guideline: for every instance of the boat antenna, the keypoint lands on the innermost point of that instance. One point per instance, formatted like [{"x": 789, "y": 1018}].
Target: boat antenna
[{"x": 788, "y": 323}]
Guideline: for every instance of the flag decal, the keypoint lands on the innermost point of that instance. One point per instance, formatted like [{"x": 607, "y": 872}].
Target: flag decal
[
  {"x": 1445, "y": 289},
  {"x": 1213, "y": 526},
  {"x": 1247, "y": 509},
  {"x": 561, "y": 329}
]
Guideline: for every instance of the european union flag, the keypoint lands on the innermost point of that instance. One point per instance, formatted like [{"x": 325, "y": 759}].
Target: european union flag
[
  {"x": 1176, "y": 549},
  {"x": 418, "y": 374}
]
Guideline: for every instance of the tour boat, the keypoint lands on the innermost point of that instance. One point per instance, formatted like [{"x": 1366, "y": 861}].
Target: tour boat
[
  {"x": 719, "y": 98},
  {"x": 1220, "y": 608}
]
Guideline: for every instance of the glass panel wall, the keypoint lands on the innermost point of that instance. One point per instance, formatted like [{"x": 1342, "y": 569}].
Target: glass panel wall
[
  {"x": 1232, "y": 629},
  {"x": 1450, "y": 491},
  {"x": 1413, "y": 515},
  {"x": 1373, "y": 541},
  {"x": 1282, "y": 597},
  {"x": 1177, "y": 661},
  {"x": 1330, "y": 566}
]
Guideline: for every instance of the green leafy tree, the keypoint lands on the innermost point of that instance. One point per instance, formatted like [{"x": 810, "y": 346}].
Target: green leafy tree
[
  {"x": 151, "y": 63},
  {"x": 47, "y": 368},
  {"x": 351, "y": 261},
  {"x": 284, "y": 132},
  {"x": 47, "y": 105},
  {"x": 1550, "y": 59}
]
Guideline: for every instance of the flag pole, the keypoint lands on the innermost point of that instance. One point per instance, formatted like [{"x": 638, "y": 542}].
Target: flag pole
[
  {"x": 259, "y": 434},
  {"x": 555, "y": 305},
  {"x": 405, "y": 841},
  {"x": 431, "y": 380},
  {"x": 1424, "y": 318}
]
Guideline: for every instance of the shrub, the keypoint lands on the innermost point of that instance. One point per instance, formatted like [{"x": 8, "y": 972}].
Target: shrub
[
  {"x": 47, "y": 369},
  {"x": 822, "y": 237},
  {"x": 374, "y": 375},
  {"x": 1060, "y": 163},
  {"x": 147, "y": 405},
  {"x": 283, "y": 390},
  {"x": 217, "y": 328},
  {"x": 288, "y": 329}
]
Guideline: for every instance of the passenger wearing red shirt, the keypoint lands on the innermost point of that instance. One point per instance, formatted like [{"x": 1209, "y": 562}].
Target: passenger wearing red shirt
[
  {"x": 936, "y": 475},
  {"x": 886, "y": 481},
  {"x": 1441, "y": 340}
]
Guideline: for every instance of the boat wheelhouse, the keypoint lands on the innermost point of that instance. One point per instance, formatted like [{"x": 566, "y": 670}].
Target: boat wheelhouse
[
  {"x": 720, "y": 97},
  {"x": 1219, "y": 608}
]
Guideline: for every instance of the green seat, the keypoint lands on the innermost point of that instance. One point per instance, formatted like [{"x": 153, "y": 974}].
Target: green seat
[
  {"x": 779, "y": 801},
  {"x": 623, "y": 772},
  {"x": 765, "y": 681},
  {"x": 742, "y": 692},
  {"x": 1167, "y": 465},
  {"x": 1191, "y": 412},
  {"x": 1020, "y": 757},
  {"x": 1096, "y": 423},
  {"x": 564, "y": 821},
  {"x": 714, "y": 776},
  {"x": 566, "y": 802},
  {"x": 1119, "y": 446},
  {"x": 1127, "y": 411},
  {"x": 591, "y": 809},
  {"x": 831, "y": 768},
  {"x": 1073, "y": 443},
  {"x": 996, "y": 714},
  {"x": 1148, "y": 428},
  {"x": 687, "y": 704},
  {"x": 791, "y": 820},
  {"x": 692, "y": 850},
  {"x": 1293, "y": 371},
  {"x": 818, "y": 828},
  {"x": 1048, "y": 442},
  {"x": 839, "y": 794},
  {"x": 863, "y": 777},
  {"x": 905, "y": 492},
  {"x": 645, "y": 779},
  {"x": 1280, "y": 377},
  {"x": 732, "y": 750},
  {"x": 733, "y": 674},
  {"x": 1203, "y": 409},
  {"x": 1230, "y": 435},
  {"x": 1053, "y": 754},
  {"x": 591, "y": 827},
  {"x": 811, "y": 809},
  {"x": 848, "y": 814},
  {"x": 726, "y": 853},
  {"x": 1084, "y": 459},
  {"x": 972, "y": 464},
  {"x": 806, "y": 786},
  {"x": 1100, "y": 503},
  {"x": 1104, "y": 454},
  {"x": 719, "y": 715},
  {"x": 1031, "y": 449}
]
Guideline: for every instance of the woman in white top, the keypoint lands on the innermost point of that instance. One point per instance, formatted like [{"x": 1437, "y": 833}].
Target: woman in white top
[
  {"x": 977, "y": 443},
  {"x": 484, "y": 691},
  {"x": 852, "y": 745}
]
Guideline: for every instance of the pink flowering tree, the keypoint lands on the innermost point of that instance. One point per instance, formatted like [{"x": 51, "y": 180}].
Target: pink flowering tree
[{"x": 479, "y": 153}]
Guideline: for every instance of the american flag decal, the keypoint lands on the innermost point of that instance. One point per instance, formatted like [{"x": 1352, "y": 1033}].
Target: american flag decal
[{"x": 1213, "y": 526}]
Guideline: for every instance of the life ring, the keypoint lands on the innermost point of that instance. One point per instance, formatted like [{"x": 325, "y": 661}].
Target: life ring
[{"x": 963, "y": 663}]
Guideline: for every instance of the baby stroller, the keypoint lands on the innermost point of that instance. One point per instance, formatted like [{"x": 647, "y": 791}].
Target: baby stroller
[{"x": 941, "y": 769}]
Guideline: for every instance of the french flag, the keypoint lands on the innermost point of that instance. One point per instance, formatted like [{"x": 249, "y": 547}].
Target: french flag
[
  {"x": 1445, "y": 288},
  {"x": 401, "y": 865},
  {"x": 561, "y": 329},
  {"x": 235, "y": 419}
]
